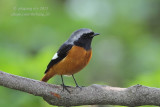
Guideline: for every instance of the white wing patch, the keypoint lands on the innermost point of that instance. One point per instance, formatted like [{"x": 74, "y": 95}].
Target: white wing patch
[{"x": 55, "y": 56}]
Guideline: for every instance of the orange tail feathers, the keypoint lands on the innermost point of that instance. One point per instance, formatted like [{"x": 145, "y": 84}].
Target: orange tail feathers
[{"x": 47, "y": 77}]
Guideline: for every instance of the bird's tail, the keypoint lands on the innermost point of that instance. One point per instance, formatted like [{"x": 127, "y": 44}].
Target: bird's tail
[{"x": 47, "y": 76}]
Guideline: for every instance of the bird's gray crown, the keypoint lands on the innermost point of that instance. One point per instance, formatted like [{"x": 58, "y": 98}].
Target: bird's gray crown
[{"x": 77, "y": 34}]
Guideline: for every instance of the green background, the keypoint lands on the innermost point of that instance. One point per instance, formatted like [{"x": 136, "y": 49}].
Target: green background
[{"x": 126, "y": 53}]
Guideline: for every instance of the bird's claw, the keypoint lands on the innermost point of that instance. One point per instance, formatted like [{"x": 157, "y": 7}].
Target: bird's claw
[
  {"x": 65, "y": 88},
  {"x": 80, "y": 87}
]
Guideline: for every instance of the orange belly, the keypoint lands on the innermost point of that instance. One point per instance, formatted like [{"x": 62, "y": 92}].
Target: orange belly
[{"x": 76, "y": 60}]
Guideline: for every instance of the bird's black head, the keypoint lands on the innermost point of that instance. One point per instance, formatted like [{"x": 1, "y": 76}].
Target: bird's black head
[{"x": 82, "y": 37}]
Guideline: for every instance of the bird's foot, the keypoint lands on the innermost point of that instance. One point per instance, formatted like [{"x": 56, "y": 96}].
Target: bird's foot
[
  {"x": 80, "y": 87},
  {"x": 65, "y": 88}
]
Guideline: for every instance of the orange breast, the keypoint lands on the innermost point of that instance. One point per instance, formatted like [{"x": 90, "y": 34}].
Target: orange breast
[{"x": 76, "y": 60}]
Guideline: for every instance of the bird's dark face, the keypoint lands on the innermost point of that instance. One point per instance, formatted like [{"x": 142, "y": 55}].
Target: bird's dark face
[
  {"x": 89, "y": 35},
  {"x": 82, "y": 38}
]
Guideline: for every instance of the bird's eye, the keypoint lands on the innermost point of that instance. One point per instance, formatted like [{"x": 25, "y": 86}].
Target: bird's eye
[{"x": 85, "y": 35}]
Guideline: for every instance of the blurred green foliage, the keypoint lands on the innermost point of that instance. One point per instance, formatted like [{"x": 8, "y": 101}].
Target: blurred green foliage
[{"x": 126, "y": 53}]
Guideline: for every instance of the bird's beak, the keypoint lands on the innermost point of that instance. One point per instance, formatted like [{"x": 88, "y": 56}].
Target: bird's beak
[{"x": 95, "y": 34}]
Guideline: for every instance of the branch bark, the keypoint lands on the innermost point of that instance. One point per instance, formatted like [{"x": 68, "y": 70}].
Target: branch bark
[{"x": 92, "y": 95}]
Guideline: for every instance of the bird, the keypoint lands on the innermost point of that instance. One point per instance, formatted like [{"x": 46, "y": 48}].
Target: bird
[{"x": 72, "y": 56}]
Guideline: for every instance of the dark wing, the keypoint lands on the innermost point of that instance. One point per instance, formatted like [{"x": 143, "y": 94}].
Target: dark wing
[{"x": 62, "y": 53}]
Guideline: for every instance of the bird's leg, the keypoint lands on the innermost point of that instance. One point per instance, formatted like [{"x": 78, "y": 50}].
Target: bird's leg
[
  {"x": 75, "y": 82},
  {"x": 64, "y": 86}
]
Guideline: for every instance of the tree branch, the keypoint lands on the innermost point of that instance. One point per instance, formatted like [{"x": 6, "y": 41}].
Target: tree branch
[{"x": 92, "y": 95}]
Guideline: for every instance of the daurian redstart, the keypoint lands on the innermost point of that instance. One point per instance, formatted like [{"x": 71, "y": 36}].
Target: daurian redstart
[{"x": 72, "y": 56}]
